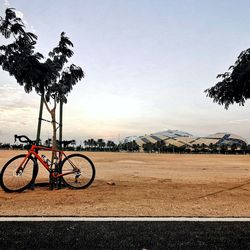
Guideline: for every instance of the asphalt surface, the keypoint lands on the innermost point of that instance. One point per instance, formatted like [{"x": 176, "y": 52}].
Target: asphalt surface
[{"x": 124, "y": 235}]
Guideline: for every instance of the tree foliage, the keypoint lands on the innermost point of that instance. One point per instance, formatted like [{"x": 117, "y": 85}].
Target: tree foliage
[
  {"x": 49, "y": 78},
  {"x": 19, "y": 57},
  {"x": 21, "y": 61},
  {"x": 234, "y": 86},
  {"x": 59, "y": 81}
]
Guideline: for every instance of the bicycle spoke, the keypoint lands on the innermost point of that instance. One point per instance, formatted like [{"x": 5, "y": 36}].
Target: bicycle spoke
[
  {"x": 78, "y": 171},
  {"x": 12, "y": 180}
]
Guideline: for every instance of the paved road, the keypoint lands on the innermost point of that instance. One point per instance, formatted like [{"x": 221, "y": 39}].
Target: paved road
[{"x": 124, "y": 235}]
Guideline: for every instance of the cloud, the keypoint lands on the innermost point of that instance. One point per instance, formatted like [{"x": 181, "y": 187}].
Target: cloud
[
  {"x": 239, "y": 121},
  {"x": 11, "y": 97},
  {"x": 8, "y": 89},
  {"x": 6, "y": 4},
  {"x": 14, "y": 102}
]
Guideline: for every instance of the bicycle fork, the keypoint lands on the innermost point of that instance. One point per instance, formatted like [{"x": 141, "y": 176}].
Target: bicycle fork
[{"x": 77, "y": 171}]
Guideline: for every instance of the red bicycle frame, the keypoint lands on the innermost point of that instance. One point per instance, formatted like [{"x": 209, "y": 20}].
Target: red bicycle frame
[{"x": 34, "y": 151}]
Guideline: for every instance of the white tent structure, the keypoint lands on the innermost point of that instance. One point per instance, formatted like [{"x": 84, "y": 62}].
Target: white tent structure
[{"x": 178, "y": 138}]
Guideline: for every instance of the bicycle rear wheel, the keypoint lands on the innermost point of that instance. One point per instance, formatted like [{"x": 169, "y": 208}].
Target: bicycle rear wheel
[
  {"x": 16, "y": 179},
  {"x": 78, "y": 170}
]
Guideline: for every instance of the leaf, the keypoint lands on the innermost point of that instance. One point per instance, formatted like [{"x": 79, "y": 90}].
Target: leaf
[
  {"x": 10, "y": 14},
  {"x": 17, "y": 28},
  {"x": 31, "y": 36}
]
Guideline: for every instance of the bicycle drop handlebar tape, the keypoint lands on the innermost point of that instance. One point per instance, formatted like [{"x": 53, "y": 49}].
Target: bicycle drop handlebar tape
[{"x": 20, "y": 138}]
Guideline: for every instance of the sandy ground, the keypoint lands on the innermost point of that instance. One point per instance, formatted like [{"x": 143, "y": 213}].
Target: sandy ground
[{"x": 145, "y": 185}]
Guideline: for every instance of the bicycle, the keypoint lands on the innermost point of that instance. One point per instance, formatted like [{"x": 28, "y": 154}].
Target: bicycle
[{"x": 77, "y": 171}]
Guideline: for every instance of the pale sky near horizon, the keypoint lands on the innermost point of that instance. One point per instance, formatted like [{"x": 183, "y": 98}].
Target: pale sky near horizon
[{"x": 147, "y": 64}]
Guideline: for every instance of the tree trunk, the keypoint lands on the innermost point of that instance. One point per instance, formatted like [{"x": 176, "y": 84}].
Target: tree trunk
[
  {"x": 53, "y": 118},
  {"x": 39, "y": 121},
  {"x": 60, "y": 124},
  {"x": 54, "y": 144},
  {"x": 53, "y": 121}
]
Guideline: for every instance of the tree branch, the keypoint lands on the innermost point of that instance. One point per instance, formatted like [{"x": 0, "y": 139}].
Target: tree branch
[{"x": 47, "y": 106}]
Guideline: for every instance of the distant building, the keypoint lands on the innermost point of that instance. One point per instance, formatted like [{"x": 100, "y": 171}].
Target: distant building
[{"x": 180, "y": 139}]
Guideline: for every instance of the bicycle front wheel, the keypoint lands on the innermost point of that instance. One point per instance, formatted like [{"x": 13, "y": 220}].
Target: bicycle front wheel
[
  {"x": 17, "y": 174},
  {"x": 78, "y": 171}
]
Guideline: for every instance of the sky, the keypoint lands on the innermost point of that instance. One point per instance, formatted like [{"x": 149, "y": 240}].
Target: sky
[{"x": 146, "y": 63}]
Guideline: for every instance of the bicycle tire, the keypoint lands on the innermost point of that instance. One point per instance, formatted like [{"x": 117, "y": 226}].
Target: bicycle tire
[
  {"x": 9, "y": 177},
  {"x": 78, "y": 179}
]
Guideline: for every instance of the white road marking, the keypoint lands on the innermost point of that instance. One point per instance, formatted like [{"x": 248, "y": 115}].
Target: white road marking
[{"x": 156, "y": 219}]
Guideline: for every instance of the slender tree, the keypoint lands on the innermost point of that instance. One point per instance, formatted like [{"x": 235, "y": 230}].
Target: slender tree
[
  {"x": 50, "y": 78},
  {"x": 86, "y": 144},
  {"x": 101, "y": 144},
  {"x": 59, "y": 81},
  {"x": 111, "y": 146},
  {"x": 47, "y": 142},
  {"x": 92, "y": 144}
]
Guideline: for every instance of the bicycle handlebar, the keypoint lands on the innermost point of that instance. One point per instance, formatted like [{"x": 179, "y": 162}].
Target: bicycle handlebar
[{"x": 23, "y": 138}]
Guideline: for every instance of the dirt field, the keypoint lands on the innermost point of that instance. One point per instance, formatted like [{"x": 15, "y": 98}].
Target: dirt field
[{"x": 145, "y": 185}]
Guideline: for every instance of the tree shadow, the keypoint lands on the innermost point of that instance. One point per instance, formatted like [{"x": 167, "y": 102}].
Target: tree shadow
[{"x": 221, "y": 191}]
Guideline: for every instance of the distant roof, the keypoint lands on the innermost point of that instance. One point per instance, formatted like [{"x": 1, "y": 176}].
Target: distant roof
[
  {"x": 172, "y": 133},
  {"x": 180, "y": 138},
  {"x": 187, "y": 139},
  {"x": 139, "y": 142},
  {"x": 159, "y": 137},
  {"x": 150, "y": 138},
  {"x": 206, "y": 141},
  {"x": 174, "y": 143},
  {"x": 226, "y": 136}
]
